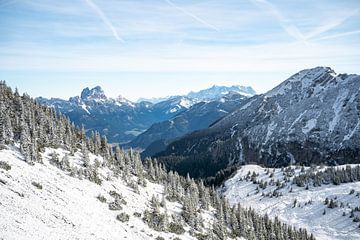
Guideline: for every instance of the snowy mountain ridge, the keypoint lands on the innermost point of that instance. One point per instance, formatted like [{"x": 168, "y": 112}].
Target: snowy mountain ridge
[
  {"x": 311, "y": 118},
  {"x": 96, "y": 111},
  {"x": 213, "y": 93},
  {"x": 216, "y": 92},
  {"x": 199, "y": 116}
]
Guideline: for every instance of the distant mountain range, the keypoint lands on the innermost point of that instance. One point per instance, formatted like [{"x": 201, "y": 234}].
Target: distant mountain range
[
  {"x": 121, "y": 120},
  {"x": 209, "y": 94},
  {"x": 311, "y": 118},
  {"x": 199, "y": 116}
]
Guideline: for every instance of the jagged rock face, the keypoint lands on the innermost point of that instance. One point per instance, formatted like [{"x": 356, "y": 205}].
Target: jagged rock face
[
  {"x": 312, "y": 117},
  {"x": 199, "y": 116},
  {"x": 95, "y": 93}
]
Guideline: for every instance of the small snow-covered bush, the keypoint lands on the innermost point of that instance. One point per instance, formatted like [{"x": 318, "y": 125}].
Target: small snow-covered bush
[
  {"x": 118, "y": 197},
  {"x": 200, "y": 236},
  {"x": 5, "y": 165},
  {"x": 37, "y": 185},
  {"x": 137, "y": 214},
  {"x": 115, "y": 206},
  {"x": 101, "y": 198},
  {"x": 123, "y": 217},
  {"x": 114, "y": 194},
  {"x": 3, "y": 147},
  {"x": 176, "y": 228}
]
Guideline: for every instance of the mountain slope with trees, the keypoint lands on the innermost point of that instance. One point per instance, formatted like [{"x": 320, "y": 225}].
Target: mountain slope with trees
[{"x": 79, "y": 184}]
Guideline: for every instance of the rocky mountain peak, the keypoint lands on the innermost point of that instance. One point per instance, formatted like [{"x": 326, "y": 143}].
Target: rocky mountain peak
[
  {"x": 308, "y": 81},
  {"x": 96, "y": 93},
  {"x": 317, "y": 75},
  {"x": 120, "y": 100}
]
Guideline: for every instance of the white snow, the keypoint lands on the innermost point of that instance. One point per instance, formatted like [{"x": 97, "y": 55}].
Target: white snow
[
  {"x": 175, "y": 109},
  {"x": 233, "y": 130},
  {"x": 83, "y": 106},
  {"x": 247, "y": 105},
  {"x": 337, "y": 109},
  {"x": 309, "y": 125},
  {"x": 186, "y": 103},
  {"x": 66, "y": 207},
  {"x": 332, "y": 226},
  {"x": 280, "y": 90},
  {"x": 270, "y": 129},
  {"x": 297, "y": 119},
  {"x": 222, "y": 110},
  {"x": 350, "y": 134}
]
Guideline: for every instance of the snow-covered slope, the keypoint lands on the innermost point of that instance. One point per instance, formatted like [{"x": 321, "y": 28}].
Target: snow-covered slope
[
  {"x": 299, "y": 206},
  {"x": 66, "y": 207}
]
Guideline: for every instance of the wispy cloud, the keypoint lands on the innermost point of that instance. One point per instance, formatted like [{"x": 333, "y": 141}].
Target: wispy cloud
[
  {"x": 295, "y": 32},
  {"x": 104, "y": 18},
  {"x": 338, "y": 35},
  {"x": 193, "y": 16},
  {"x": 289, "y": 28},
  {"x": 331, "y": 24}
]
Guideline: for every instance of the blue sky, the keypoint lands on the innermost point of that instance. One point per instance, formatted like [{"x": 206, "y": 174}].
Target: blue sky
[{"x": 164, "y": 47}]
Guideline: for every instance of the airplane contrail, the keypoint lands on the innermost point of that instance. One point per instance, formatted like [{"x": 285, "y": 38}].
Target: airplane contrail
[
  {"x": 196, "y": 18},
  {"x": 104, "y": 18},
  {"x": 343, "y": 34},
  {"x": 331, "y": 24},
  {"x": 289, "y": 28},
  {"x": 294, "y": 32}
]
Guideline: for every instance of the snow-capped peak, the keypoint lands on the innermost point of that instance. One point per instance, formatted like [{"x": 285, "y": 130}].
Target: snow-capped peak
[
  {"x": 95, "y": 93},
  {"x": 317, "y": 79},
  {"x": 216, "y": 92},
  {"x": 120, "y": 100},
  {"x": 312, "y": 76}
]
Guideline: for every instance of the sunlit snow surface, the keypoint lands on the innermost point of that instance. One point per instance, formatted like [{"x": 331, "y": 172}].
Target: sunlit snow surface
[
  {"x": 332, "y": 225},
  {"x": 66, "y": 207}
]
